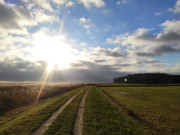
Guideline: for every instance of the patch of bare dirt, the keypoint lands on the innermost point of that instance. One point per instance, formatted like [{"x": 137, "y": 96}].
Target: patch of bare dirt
[{"x": 78, "y": 127}]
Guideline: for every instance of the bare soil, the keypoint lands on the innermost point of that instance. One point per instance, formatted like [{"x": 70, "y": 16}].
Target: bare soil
[{"x": 78, "y": 127}]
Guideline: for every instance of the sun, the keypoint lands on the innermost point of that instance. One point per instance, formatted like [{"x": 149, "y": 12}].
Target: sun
[
  {"x": 50, "y": 67},
  {"x": 55, "y": 52}
]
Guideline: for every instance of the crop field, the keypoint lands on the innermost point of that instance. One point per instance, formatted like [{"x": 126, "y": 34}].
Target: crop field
[{"x": 98, "y": 110}]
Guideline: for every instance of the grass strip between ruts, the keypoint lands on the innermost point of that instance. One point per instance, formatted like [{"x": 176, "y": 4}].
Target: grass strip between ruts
[{"x": 64, "y": 124}]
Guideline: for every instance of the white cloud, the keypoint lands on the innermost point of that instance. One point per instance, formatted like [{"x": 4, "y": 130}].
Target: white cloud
[
  {"x": 87, "y": 26},
  {"x": 89, "y": 3},
  {"x": 83, "y": 43},
  {"x": 15, "y": 18},
  {"x": 124, "y": 1},
  {"x": 117, "y": 39},
  {"x": 106, "y": 60},
  {"x": 42, "y": 12},
  {"x": 139, "y": 43},
  {"x": 115, "y": 58},
  {"x": 108, "y": 54},
  {"x": 157, "y": 14},
  {"x": 70, "y": 4},
  {"x": 118, "y": 2},
  {"x": 84, "y": 20},
  {"x": 45, "y": 4},
  {"x": 41, "y": 16},
  {"x": 171, "y": 26},
  {"x": 121, "y": 2},
  {"x": 177, "y": 7},
  {"x": 107, "y": 11},
  {"x": 2, "y": 1},
  {"x": 142, "y": 43},
  {"x": 59, "y": 2},
  {"x": 140, "y": 37},
  {"x": 8, "y": 48},
  {"x": 92, "y": 37},
  {"x": 26, "y": 46}
]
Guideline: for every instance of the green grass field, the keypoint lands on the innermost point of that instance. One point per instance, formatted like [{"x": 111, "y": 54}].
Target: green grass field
[
  {"x": 109, "y": 110},
  {"x": 158, "y": 107},
  {"x": 102, "y": 117}
]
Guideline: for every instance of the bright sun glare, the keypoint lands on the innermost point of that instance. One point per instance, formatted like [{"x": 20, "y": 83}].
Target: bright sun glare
[{"x": 54, "y": 51}]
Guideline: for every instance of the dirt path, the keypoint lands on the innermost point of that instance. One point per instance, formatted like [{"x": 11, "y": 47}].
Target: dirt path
[
  {"x": 41, "y": 130},
  {"x": 78, "y": 127}
]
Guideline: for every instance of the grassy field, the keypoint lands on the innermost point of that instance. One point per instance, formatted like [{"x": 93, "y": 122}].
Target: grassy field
[
  {"x": 102, "y": 117},
  {"x": 109, "y": 110},
  {"x": 25, "y": 120},
  {"x": 158, "y": 107}
]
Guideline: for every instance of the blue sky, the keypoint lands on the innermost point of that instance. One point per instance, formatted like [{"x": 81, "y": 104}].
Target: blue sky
[{"x": 88, "y": 40}]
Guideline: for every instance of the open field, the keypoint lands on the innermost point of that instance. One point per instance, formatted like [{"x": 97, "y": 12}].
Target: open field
[
  {"x": 103, "y": 118},
  {"x": 158, "y": 107},
  {"x": 110, "y": 110}
]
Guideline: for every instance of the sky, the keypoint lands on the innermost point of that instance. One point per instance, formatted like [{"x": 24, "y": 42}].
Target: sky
[{"x": 88, "y": 40}]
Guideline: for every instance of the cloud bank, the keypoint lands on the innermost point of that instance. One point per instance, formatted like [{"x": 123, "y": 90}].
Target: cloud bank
[{"x": 32, "y": 29}]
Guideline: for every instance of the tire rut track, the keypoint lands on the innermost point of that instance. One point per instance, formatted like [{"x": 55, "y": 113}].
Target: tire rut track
[
  {"x": 41, "y": 130},
  {"x": 78, "y": 127}
]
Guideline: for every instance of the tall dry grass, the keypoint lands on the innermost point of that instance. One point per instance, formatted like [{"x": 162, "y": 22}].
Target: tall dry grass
[{"x": 14, "y": 96}]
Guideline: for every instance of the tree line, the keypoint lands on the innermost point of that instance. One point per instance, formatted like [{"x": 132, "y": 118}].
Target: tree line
[{"x": 148, "y": 78}]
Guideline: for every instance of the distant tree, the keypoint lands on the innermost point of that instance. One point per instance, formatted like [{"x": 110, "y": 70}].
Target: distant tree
[{"x": 148, "y": 78}]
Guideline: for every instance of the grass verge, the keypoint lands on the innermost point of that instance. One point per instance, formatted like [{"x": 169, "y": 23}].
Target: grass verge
[{"x": 28, "y": 121}]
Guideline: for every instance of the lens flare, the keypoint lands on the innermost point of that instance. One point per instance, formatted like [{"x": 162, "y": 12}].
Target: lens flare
[
  {"x": 42, "y": 86},
  {"x": 55, "y": 52}
]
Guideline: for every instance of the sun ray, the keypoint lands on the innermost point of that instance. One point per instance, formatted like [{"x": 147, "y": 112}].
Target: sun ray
[
  {"x": 42, "y": 87},
  {"x": 55, "y": 52}
]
